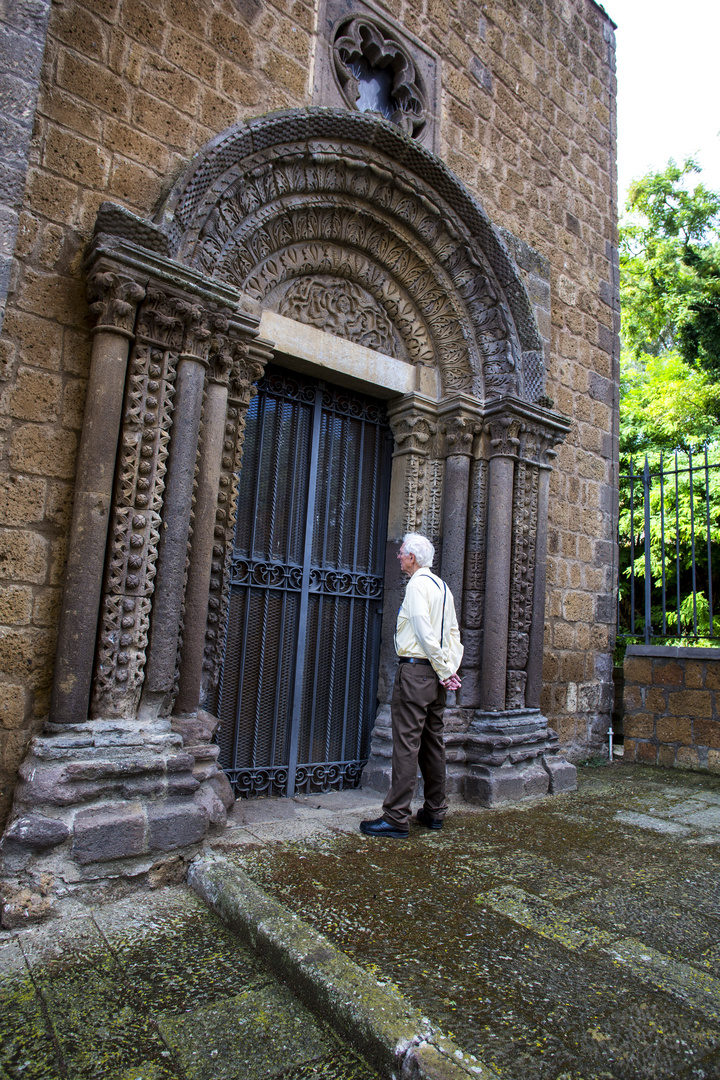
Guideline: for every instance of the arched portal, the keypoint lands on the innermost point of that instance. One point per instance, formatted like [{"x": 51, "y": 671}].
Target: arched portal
[
  {"x": 323, "y": 214},
  {"x": 337, "y": 221}
]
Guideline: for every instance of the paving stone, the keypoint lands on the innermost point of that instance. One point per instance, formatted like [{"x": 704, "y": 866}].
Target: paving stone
[
  {"x": 256, "y": 1034},
  {"x": 646, "y": 821},
  {"x": 614, "y": 972},
  {"x": 26, "y": 1045},
  {"x": 99, "y": 1029}
]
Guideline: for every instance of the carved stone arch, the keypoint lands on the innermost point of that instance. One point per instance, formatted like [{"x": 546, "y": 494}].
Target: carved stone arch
[{"x": 321, "y": 213}]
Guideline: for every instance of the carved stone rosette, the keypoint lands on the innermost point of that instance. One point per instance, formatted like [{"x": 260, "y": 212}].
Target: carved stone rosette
[{"x": 138, "y": 500}]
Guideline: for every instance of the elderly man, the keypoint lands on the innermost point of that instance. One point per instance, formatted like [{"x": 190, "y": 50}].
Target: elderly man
[{"x": 427, "y": 641}]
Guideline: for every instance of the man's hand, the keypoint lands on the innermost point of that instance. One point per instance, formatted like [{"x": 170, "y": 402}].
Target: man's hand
[{"x": 453, "y": 683}]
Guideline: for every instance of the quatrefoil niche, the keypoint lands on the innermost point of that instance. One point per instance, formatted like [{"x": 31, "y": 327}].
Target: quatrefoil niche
[{"x": 376, "y": 74}]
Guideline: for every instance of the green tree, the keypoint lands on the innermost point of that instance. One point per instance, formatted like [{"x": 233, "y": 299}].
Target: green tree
[
  {"x": 666, "y": 404},
  {"x": 670, "y": 268},
  {"x": 670, "y": 401}
]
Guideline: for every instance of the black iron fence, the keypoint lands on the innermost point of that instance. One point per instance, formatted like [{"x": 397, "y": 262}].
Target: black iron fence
[{"x": 669, "y": 557}]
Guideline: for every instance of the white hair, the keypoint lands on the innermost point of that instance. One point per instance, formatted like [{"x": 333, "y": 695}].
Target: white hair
[{"x": 420, "y": 547}]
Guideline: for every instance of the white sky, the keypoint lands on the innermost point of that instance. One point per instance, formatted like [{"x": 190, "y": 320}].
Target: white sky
[{"x": 668, "y": 86}]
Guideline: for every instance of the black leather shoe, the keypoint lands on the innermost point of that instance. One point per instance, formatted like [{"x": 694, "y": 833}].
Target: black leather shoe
[
  {"x": 381, "y": 827},
  {"x": 425, "y": 819}
]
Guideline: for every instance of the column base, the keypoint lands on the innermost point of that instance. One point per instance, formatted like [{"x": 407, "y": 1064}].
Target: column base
[
  {"x": 493, "y": 758},
  {"x": 102, "y": 800}
]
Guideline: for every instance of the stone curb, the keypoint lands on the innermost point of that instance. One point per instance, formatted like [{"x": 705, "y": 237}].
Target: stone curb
[{"x": 375, "y": 1018}]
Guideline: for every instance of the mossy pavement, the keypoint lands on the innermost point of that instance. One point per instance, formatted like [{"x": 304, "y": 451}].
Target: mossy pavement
[
  {"x": 154, "y": 987},
  {"x": 572, "y": 938}
]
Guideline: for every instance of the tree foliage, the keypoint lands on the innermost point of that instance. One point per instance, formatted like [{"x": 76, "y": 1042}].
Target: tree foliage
[
  {"x": 670, "y": 269},
  {"x": 665, "y": 405},
  {"x": 670, "y": 403}
]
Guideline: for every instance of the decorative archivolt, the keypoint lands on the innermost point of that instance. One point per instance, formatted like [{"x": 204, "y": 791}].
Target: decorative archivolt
[{"x": 283, "y": 206}]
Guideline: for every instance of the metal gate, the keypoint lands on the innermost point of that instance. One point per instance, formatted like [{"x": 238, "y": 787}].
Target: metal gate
[{"x": 297, "y": 694}]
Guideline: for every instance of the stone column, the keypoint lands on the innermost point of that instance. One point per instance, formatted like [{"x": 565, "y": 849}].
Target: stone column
[
  {"x": 533, "y": 686},
  {"x": 231, "y": 369},
  {"x": 413, "y": 420},
  {"x": 167, "y": 608},
  {"x": 248, "y": 364},
  {"x": 198, "y": 581},
  {"x": 504, "y": 443},
  {"x": 460, "y": 426},
  {"x": 135, "y": 520},
  {"x": 114, "y": 298}
]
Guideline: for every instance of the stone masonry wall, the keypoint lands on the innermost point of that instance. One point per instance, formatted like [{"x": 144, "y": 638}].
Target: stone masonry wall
[
  {"x": 130, "y": 90},
  {"x": 671, "y": 706},
  {"x": 23, "y": 30}
]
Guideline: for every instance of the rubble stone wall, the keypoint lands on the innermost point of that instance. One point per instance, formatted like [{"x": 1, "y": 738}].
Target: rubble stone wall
[
  {"x": 671, "y": 707},
  {"x": 131, "y": 90}
]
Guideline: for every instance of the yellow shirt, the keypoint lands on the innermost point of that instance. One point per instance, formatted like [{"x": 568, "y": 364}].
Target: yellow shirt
[{"x": 421, "y": 621}]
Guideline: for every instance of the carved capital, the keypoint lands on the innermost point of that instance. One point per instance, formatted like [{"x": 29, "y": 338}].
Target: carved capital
[
  {"x": 460, "y": 431},
  {"x": 537, "y": 444},
  {"x": 221, "y": 363},
  {"x": 159, "y": 322},
  {"x": 197, "y": 330},
  {"x": 113, "y": 301},
  {"x": 504, "y": 431},
  {"x": 413, "y": 433},
  {"x": 245, "y": 370},
  {"x": 220, "y": 351}
]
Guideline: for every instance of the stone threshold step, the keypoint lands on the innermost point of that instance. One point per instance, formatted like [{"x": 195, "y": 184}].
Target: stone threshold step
[{"x": 377, "y": 1021}]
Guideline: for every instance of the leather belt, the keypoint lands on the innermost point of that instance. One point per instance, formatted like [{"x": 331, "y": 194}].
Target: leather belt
[{"x": 413, "y": 660}]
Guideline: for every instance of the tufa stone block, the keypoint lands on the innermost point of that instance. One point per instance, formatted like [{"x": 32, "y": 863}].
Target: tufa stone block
[
  {"x": 671, "y": 729},
  {"x": 114, "y": 831},
  {"x": 706, "y": 732},
  {"x": 36, "y": 833},
  {"x": 174, "y": 823},
  {"x": 639, "y": 726},
  {"x": 690, "y": 703},
  {"x": 666, "y": 756},
  {"x": 668, "y": 673},
  {"x": 646, "y": 753}
]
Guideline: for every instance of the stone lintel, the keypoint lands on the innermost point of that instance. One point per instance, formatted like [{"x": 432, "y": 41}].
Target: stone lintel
[{"x": 308, "y": 349}]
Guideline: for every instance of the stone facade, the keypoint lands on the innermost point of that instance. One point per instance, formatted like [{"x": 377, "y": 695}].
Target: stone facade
[
  {"x": 671, "y": 706},
  {"x": 523, "y": 115}
]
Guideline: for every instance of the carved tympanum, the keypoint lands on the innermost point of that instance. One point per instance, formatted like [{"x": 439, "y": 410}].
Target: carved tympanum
[{"x": 342, "y": 308}]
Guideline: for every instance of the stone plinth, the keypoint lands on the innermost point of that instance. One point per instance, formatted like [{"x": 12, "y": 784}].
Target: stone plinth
[
  {"x": 108, "y": 798},
  {"x": 492, "y": 757}
]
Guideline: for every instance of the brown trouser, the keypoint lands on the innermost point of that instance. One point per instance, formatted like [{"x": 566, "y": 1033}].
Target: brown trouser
[{"x": 418, "y": 703}]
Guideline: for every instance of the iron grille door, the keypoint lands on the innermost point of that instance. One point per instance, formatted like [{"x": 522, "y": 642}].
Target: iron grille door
[{"x": 298, "y": 686}]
